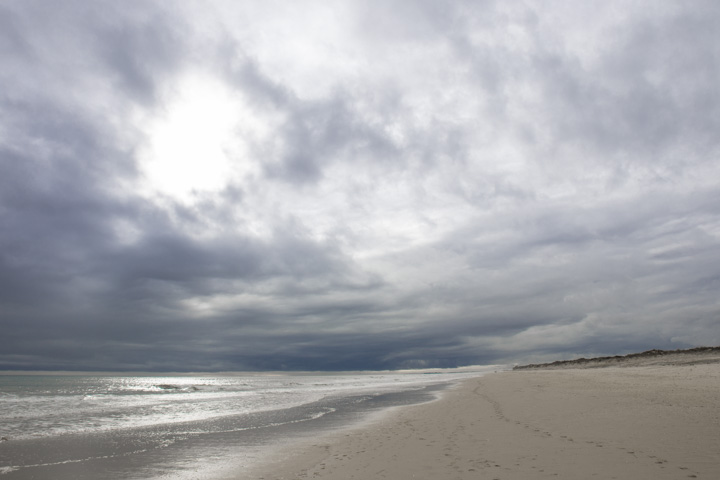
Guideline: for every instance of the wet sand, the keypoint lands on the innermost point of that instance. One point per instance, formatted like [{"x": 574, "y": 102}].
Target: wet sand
[{"x": 637, "y": 422}]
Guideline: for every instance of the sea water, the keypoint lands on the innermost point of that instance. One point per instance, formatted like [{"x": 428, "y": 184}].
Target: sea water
[{"x": 143, "y": 426}]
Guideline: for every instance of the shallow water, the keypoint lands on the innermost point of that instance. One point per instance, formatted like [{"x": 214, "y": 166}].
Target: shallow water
[{"x": 133, "y": 427}]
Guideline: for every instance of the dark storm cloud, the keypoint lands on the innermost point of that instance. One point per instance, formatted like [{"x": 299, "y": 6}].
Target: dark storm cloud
[
  {"x": 425, "y": 185},
  {"x": 60, "y": 199},
  {"x": 62, "y": 157},
  {"x": 74, "y": 44},
  {"x": 315, "y": 133}
]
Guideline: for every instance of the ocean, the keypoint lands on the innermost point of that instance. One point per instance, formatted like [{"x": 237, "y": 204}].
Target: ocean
[{"x": 196, "y": 426}]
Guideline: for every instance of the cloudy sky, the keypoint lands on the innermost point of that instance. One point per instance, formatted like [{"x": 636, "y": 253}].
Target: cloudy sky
[{"x": 356, "y": 184}]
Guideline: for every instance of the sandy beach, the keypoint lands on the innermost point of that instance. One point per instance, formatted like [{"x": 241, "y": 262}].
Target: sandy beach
[{"x": 647, "y": 421}]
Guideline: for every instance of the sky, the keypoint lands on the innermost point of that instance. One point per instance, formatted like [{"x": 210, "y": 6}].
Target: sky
[{"x": 346, "y": 185}]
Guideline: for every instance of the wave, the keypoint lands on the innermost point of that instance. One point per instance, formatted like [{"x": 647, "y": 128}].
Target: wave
[{"x": 169, "y": 387}]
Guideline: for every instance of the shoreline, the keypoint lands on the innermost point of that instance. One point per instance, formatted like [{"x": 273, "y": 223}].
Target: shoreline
[
  {"x": 201, "y": 447},
  {"x": 643, "y": 422}
]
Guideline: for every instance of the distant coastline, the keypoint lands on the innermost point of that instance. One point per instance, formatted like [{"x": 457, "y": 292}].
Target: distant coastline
[{"x": 698, "y": 355}]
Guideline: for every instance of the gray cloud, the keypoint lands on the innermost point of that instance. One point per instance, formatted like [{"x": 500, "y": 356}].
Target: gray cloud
[{"x": 402, "y": 185}]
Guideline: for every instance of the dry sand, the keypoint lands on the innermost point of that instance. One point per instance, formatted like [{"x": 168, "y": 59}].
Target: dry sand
[{"x": 639, "y": 422}]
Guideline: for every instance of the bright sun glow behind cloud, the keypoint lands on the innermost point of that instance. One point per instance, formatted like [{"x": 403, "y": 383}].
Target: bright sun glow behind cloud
[{"x": 196, "y": 144}]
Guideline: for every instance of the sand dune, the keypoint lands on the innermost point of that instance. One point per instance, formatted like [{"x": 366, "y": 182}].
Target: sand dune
[{"x": 692, "y": 356}]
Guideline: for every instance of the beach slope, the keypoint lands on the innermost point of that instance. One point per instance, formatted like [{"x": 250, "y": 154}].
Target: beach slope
[{"x": 639, "y": 422}]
